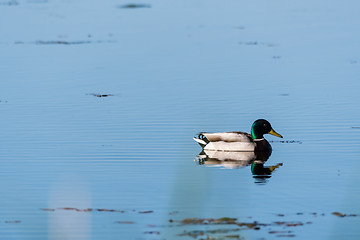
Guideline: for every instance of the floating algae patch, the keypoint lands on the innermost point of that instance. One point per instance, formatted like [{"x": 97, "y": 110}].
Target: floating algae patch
[
  {"x": 198, "y": 233},
  {"x": 277, "y": 228},
  {"x": 205, "y": 221},
  {"x": 289, "y": 224},
  {"x": 252, "y": 225}
]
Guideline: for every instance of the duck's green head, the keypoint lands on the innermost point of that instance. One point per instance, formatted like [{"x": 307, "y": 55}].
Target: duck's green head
[{"x": 261, "y": 127}]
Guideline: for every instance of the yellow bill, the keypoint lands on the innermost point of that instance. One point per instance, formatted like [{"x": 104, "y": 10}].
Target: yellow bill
[{"x": 272, "y": 132}]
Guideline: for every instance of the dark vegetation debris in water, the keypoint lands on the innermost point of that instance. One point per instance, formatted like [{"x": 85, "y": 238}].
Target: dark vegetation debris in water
[
  {"x": 228, "y": 229},
  {"x": 255, "y": 225},
  {"x": 339, "y": 214},
  {"x": 48, "y": 209},
  {"x": 94, "y": 210},
  {"x": 233, "y": 236},
  {"x": 100, "y": 95},
  {"x": 135, "y": 5},
  {"x": 285, "y": 228},
  {"x": 289, "y": 224},
  {"x": 106, "y": 210},
  {"x": 197, "y": 233},
  {"x": 279, "y": 232},
  {"x": 152, "y": 232},
  {"x": 223, "y": 220},
  {"x": 252, "y": 225},
  {"x": 82, "y": 209},
  {"x": 68, "y": 208},
  {"x": 146, "y": 211},
  {"x": 215, "y": 228}
]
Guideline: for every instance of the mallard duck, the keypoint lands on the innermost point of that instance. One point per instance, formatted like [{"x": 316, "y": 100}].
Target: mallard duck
[{"x": 238, "y": 141}]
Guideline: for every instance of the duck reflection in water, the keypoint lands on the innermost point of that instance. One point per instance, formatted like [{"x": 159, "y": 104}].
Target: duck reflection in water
[
  {"x": 260, "y": 172},
  {"x": 233, "y": 160}
]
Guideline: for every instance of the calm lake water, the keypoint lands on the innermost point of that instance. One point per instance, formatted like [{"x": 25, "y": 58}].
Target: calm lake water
[{"x": 76, "y": 165}]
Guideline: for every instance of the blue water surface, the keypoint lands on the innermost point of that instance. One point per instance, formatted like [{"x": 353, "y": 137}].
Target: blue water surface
[{"x": 167, "y": 71}]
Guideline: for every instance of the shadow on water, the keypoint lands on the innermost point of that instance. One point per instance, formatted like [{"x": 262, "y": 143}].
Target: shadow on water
[{"x": 236, "y": 160}]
